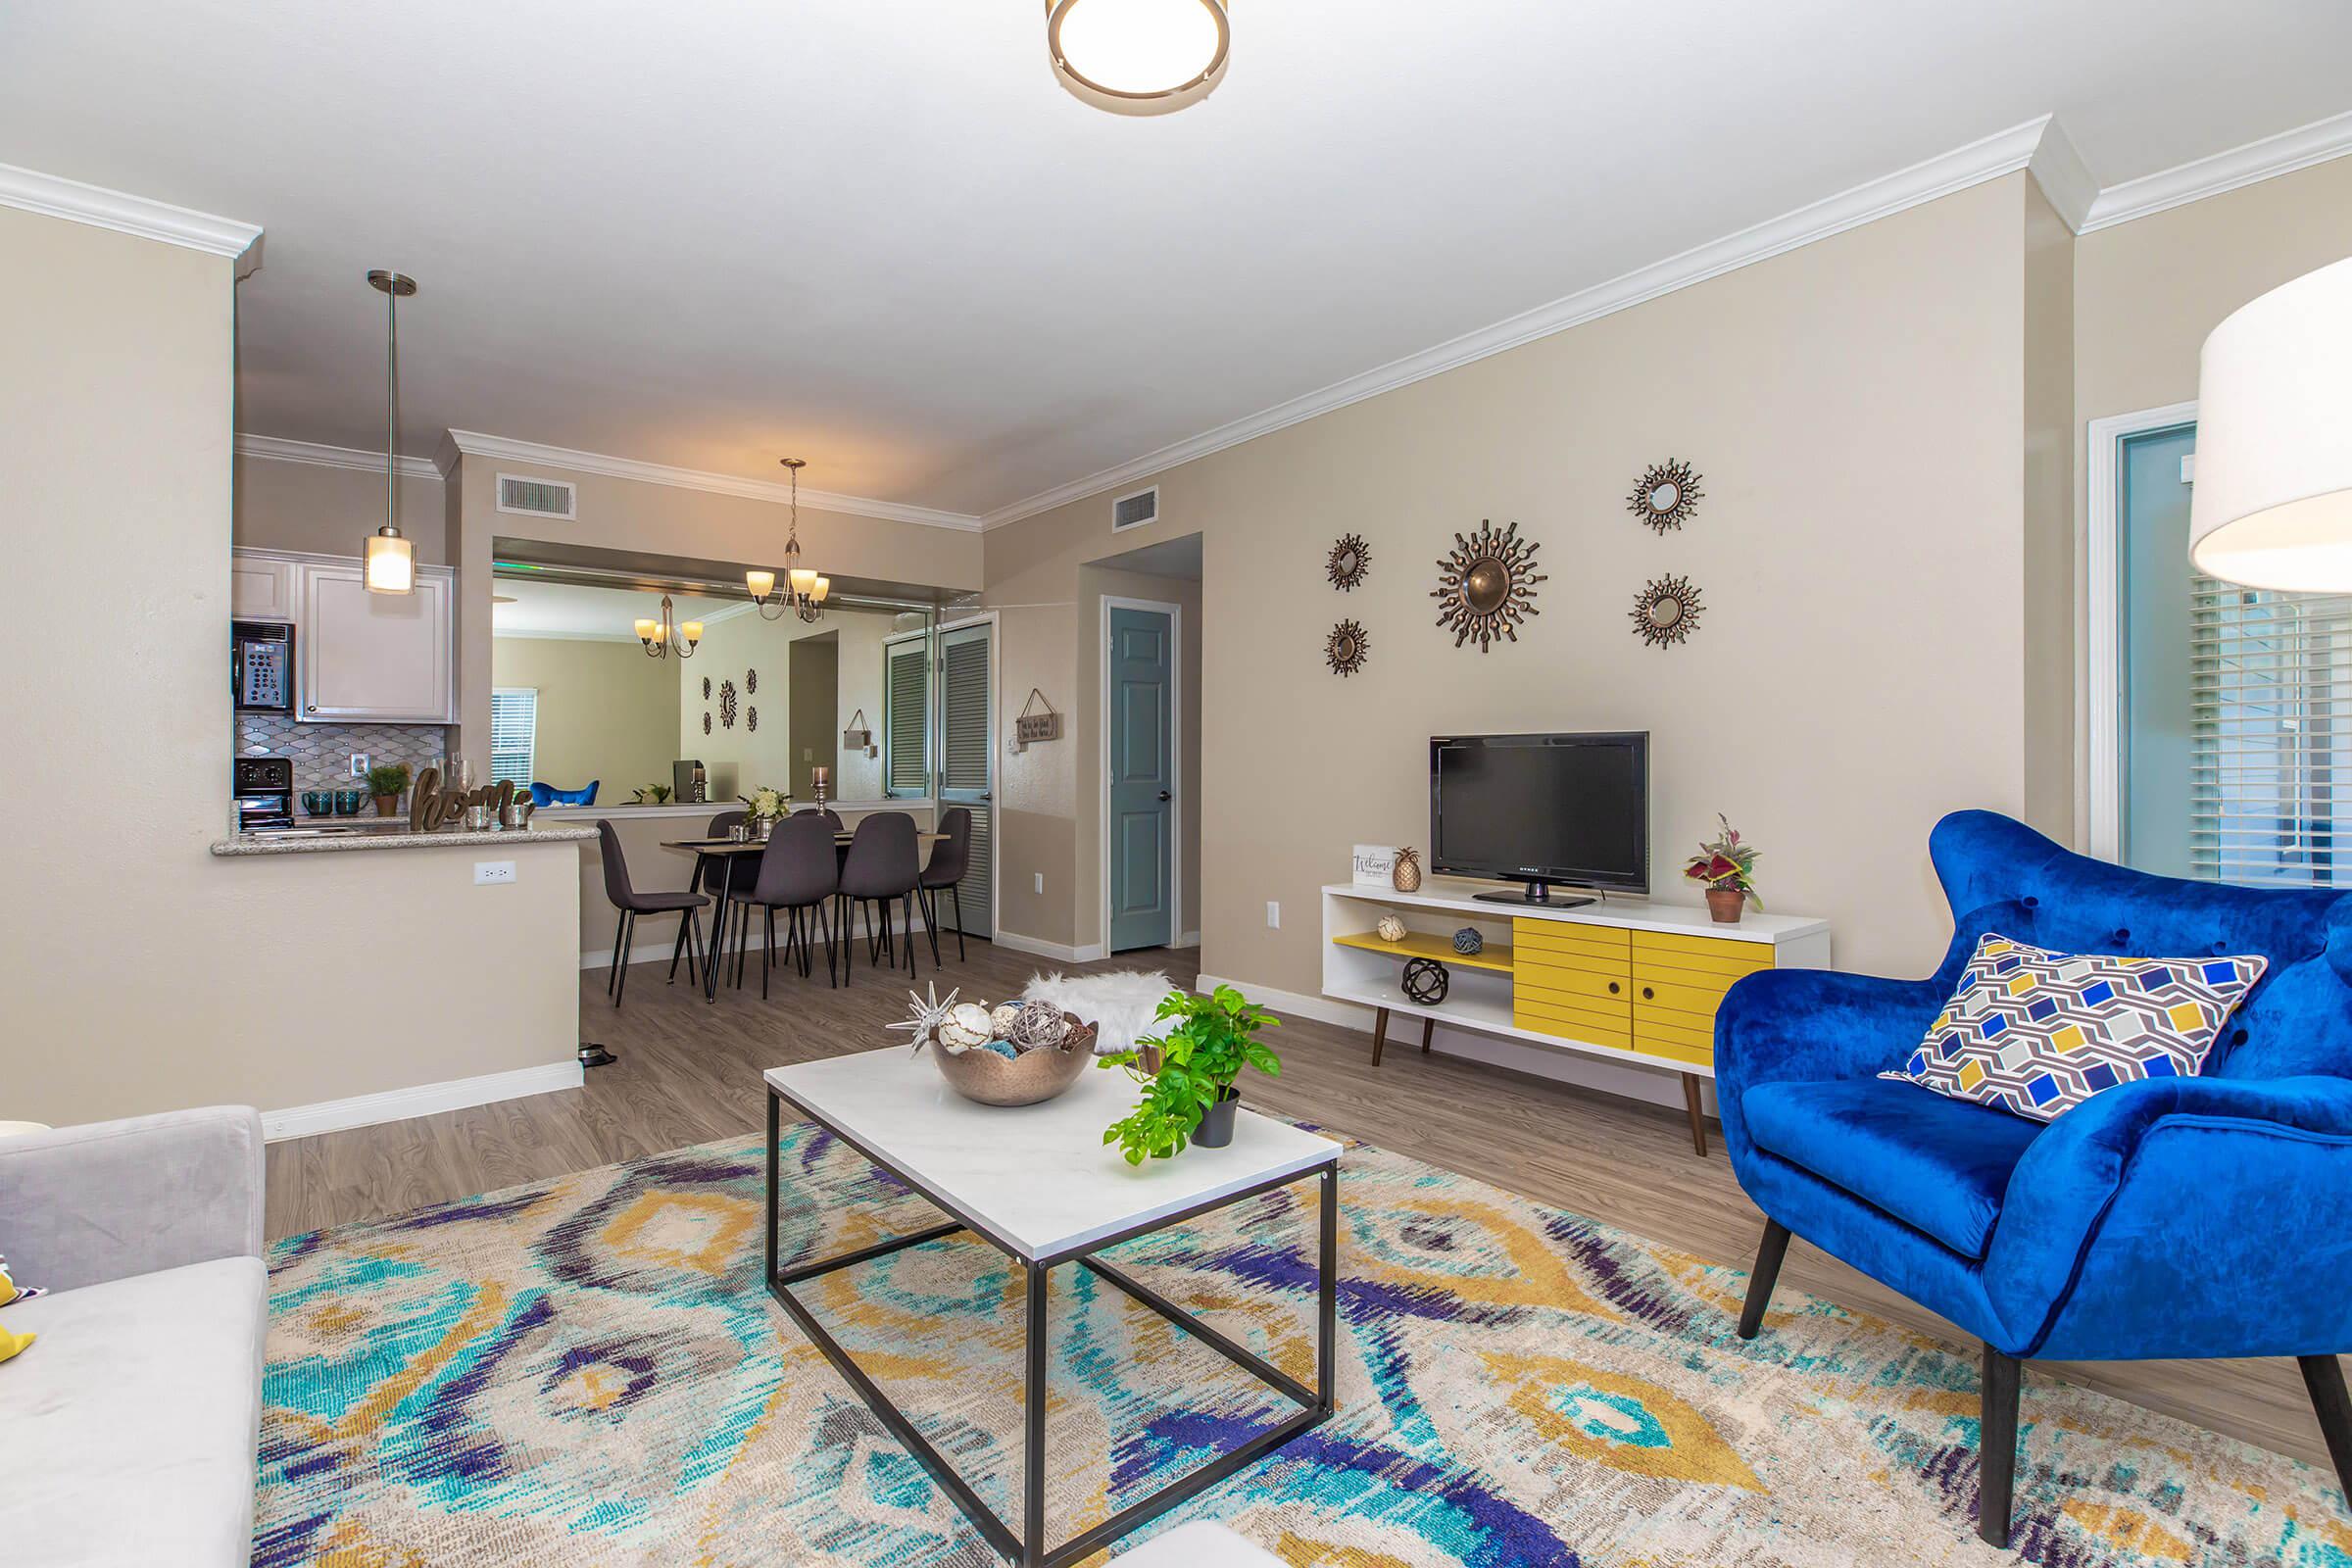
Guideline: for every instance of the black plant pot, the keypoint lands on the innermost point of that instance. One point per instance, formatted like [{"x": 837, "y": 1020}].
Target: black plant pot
[{"x": 1216, "y": 1122}]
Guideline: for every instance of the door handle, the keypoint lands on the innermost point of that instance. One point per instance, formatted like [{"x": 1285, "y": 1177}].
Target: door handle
[{"x": 1163, "y": 795}]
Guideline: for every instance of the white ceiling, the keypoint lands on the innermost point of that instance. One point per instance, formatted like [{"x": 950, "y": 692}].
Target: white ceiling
[
  {"x": 879, "y": 237},
  {"x": 605, "y": 614}
]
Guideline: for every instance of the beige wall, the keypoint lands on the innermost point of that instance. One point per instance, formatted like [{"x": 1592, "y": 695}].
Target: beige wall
[
  {"x": 2045, "y": 356},
  {"x": 274, "y": 982},
  {"x": 741, "y": 760},
  {"x": 316, "y": 510},
  {"x": 606, "y": 710},
  {"x": 1859, "y": 411}
]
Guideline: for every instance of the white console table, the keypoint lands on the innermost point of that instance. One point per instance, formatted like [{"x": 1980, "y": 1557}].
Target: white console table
[{"x": 1624, "y": 979}]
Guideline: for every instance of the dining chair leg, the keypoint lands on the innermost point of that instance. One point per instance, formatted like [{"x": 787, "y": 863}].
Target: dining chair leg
[
  {"x": 620, "y": 960},
  {"x": 693, "y": 947},
  {"x": 929, "y": 901},
  {"x": 743, "y": 940},
  {"x": 767, "y": 958},
  {"x": 677, "y": 950},
  {"x": 956, "y": 892},
  {"x": 845, "y": 926},
  {"x": 826, "y": 921},
  {"x": 907, "y": 918},
  {"x": 612, "y": 970}
]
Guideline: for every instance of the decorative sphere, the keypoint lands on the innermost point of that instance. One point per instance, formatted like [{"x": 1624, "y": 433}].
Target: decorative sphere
[
  {"x": 965, "y": 1026},
  {"x": 1391, "y": 928},
  {"x": 1038, "y": 1025},
  {"x": 1425, "y": 981},
  {"x": 1000, "y": 1021},
  {"x": 1468, "y": 941}
]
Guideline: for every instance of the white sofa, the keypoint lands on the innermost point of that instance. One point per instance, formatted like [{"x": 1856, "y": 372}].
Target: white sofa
[{"x": 128, "y": 1430}]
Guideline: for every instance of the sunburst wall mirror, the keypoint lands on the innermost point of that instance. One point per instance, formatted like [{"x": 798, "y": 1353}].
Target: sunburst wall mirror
[
  {"x": 1487, "y": 585},
  {"x": 1667, "y": 496},
  {"x": 1348, "y": 562},
  {"x": 1344, "y": 649},
  {"x": 1667, "y": 611}
]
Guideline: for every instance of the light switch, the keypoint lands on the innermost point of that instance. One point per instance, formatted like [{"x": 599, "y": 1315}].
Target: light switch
[
  {"x": 1041, "y": 881},
  {"x": 1273, "y": 915}
]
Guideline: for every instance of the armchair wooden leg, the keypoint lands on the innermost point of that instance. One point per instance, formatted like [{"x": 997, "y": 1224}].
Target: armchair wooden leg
[
  {"x": 1380, "y": 1033},
  {"x": 1428, "y": 1027},
  {"x": 1996, "y": 1449},
  {"x": 1760, "y": 1279},
  {"x": 2324, "y": 1376},
  {"x": 1699, "y": 1122}
]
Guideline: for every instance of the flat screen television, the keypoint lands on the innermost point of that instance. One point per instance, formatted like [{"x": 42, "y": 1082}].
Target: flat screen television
[{"x": 1541, "y": 809}]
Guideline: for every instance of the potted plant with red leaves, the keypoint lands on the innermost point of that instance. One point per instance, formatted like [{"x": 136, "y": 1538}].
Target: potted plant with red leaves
[{"x": 1725, "y": 867}]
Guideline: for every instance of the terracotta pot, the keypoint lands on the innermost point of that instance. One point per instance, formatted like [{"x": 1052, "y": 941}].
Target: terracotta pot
[
  {"x": 1216, "y": 1122},
  {"x": 1726, "y": 905},
  {"x": 387, "y": 805}
]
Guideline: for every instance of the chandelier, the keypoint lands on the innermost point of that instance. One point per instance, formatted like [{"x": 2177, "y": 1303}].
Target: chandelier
[
  {"x": 805, "y": 589},
  {"x": 661, "y": 636}
]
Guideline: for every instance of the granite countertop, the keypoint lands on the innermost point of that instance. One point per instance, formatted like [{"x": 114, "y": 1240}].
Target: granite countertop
[{"x": 298, "y": 841}]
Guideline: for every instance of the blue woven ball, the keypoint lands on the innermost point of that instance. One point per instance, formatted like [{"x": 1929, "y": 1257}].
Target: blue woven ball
[{"x": 1468, "y": 941}]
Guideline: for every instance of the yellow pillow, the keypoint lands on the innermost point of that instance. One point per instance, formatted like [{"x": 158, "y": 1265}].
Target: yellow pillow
[{"x": 11, "y": 1344}]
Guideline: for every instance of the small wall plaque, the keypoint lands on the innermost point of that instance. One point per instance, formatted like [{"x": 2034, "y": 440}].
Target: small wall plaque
[
  {"x": 1031, "y": 726},
  {"x": 1375, "y": 865}
]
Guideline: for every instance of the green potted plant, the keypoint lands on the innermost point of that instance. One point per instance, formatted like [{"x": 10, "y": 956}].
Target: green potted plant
[
  {"x": 1725, "y": 868},
  {"x": 1188, "y": 1073},
  {"x": 650, "y": 795},
  {"x": 385, "y": 781}
]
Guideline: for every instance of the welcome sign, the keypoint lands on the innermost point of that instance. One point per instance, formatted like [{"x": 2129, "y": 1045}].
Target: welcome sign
[{"x": 1375, "y": 865}]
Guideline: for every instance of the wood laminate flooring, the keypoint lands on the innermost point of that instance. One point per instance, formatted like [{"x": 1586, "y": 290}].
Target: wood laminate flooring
[{"x": 689, "y": 1072}]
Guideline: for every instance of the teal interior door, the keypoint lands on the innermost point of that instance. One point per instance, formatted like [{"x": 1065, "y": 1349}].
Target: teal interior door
[{"x": 1139, "y": 836}]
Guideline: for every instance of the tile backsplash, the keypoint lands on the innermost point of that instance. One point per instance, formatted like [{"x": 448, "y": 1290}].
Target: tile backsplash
[{"x": 322, "y": 752}]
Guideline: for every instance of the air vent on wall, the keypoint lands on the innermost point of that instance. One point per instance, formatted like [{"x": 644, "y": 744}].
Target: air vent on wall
[
  {"x": 535, "y": 498},
  {"x": 1133, "y": 511}
]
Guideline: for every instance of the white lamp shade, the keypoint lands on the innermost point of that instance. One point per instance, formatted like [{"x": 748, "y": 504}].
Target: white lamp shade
[
  {"x": 391, "y": 564},
  {"x": 2272, "y": 506},
  {"x": 760, "y": 583}
]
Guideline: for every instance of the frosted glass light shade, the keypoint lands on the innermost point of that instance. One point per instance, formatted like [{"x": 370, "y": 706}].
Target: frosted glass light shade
[
  {"x": 391, "y": 562},
  {"x": 2272, "y": 507},
  {"x": 802, "y": 579},
  {"x": 647, "y": 631},
  {"x": 692, "y": 631},
  {"x": 760, "y": 583},
  {"x": 823, "y": 586},
  {"x": 1138, "y": 56}
]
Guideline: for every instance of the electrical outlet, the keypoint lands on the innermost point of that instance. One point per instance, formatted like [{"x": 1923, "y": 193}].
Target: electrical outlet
[
  {"x": 1273, "y": 915},
  {"x": 488, "y": 873},
  {"x": 359, "y": 764},
  {"x": 1041, "y": 881}
]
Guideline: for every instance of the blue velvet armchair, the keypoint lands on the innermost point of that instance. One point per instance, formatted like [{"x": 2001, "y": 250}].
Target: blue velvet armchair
[{"x": 2206, "y": 1216}]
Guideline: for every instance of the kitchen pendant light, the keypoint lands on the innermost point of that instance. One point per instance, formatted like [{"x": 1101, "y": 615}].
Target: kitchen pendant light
[
  {"x": 391, "y": 561},
  {"x": 805, "y": 589},
  {"x": 1138, "y": 56}
]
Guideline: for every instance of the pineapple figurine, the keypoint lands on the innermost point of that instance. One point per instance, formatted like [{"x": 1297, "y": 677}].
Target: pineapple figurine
[{"x": 1407, "y": 876}]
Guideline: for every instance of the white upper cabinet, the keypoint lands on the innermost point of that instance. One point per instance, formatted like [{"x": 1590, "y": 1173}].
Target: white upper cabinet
[
  {"x": 373, "y": 656},
  {"x": 261, "y": 587}
]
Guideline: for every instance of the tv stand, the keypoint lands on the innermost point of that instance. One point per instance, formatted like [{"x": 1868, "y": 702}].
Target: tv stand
[{"x": 1539, "y": 893}]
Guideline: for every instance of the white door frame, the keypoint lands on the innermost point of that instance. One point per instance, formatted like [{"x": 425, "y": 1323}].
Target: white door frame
[
  {"x": 2103, "y": 698},
  {"x": 1175, "y": 614},
  {"x": 995, "y": 696}
]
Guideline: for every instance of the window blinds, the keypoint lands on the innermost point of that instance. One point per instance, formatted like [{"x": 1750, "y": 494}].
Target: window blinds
[
  {"x": 513, "y": 734},
  {"x": 906, "y": 713},
  {"x": 2270, "y": 681}
]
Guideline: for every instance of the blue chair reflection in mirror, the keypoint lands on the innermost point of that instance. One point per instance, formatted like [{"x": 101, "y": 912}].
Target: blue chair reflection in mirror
[
  {"x": 549, "y": 795},
  {"x": 2170, "y": 1217}
]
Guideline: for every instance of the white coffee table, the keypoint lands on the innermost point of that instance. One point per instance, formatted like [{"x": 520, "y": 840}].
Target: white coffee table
[{"x": 1037, "y": 1183}]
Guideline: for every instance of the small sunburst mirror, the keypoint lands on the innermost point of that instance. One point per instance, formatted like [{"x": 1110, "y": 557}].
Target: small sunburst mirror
[
  {"x": 1344, "y": 649},
  {"x": 1666, "y": 611},
  {"x": 1666, "y": 497},
  {"x": 1347, "y": 562},
  {"x": 1487, "y": 585}
]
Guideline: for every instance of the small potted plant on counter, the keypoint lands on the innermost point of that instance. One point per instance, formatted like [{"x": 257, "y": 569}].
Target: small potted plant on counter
[
  {"x": 1188, "y": 1073},
  {"x": 385, "y": 781},
  {"x": 1725, "y": 868},
  {"x": 766, "y": 809}
]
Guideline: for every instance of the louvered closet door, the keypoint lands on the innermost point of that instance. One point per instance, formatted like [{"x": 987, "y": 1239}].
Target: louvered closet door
[{"x": 967, "y": 763}]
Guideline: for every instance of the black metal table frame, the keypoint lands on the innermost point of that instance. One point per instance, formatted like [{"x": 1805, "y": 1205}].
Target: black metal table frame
[{"x": 1028, "y": 1548}]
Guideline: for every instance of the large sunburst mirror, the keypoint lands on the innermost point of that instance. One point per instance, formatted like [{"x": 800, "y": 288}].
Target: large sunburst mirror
[
  {"x": 1666, "y": 497},
  {"x": 1666, "y": 611},
  {"x": 1487, "y": 585}
]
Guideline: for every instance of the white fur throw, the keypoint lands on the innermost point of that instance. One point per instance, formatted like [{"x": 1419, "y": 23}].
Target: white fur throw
[{"x": 1120, "y": 1005}]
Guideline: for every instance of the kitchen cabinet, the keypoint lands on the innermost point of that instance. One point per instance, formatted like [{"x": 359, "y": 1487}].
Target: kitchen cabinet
[
  {"x": 379, "y": 658},
  {"x": 261, "y": 587}
]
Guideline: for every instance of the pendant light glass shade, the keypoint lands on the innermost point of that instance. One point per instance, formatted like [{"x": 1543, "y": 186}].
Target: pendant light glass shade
[
  {"x": 2272, "y": 506},
  {"x": 1138, "y": 56},
  {"x": 391, "y": 561}
]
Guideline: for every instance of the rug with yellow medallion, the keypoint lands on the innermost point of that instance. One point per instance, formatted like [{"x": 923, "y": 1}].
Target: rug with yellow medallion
[{"x": 587, "y": 1372}]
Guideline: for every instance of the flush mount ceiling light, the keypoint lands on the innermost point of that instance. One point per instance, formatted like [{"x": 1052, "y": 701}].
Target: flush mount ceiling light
[{"x": 1138, "y": 56}]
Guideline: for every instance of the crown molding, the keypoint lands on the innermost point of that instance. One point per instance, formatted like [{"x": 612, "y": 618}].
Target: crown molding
[
  {"x": 2256, "y": 161},
  {"x": 276, "y": 449},
  {"x": 475, "y": 443},
  {"x": 126, "y": 214},
  {"x": 2065, "y": 179},
  {"x": 2004, "y": 153}
]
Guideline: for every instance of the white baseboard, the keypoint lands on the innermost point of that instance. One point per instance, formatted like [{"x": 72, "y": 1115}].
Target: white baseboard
[
  {"x": 1658, "y": 1086},
  {"x": 1190, "y": 939},
  {"x": 424, "y": 1100},
  {"x": 1048, "y": 950}
]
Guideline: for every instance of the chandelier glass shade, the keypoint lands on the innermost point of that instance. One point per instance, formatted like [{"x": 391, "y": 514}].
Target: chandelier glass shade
[{"x": 1138, "y": 56}]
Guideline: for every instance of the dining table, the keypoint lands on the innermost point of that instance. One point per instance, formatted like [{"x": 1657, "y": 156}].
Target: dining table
[{"x": 727, "y": 848}]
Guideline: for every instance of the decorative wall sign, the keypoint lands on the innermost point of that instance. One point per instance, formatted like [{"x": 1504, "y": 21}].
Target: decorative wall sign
[
  {"x": 1343, "y": 650},
  {"x": 1667, "y": 611},
  {"x": 1349, "y": 560},
  {"x": 706, "y": 688},
  {"x": 750, "y": 683},
  {"x": 1030, "y": 725},
  {"x": 750, "y": 718},
  {"x": 726, "y": 704},
  {"x": 1374, "y": 864},
  {"x": 1667, "y": 494},
  {"x": 706, "y": 722},
  {"x": 1485, "y": 585},
  {"x": 1425, "y": 981}
]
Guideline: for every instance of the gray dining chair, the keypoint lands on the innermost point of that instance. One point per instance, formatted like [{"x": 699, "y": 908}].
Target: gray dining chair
[
  {"x": 799, "y": 873},
  {"x": 631, "y": 904},
  {"x": 951, "y": 858},
  {"x": 832, "y": 819},
  {"x": 882, "y": 865}
]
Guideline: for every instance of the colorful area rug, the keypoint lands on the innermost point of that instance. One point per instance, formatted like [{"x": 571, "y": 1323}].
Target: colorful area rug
[{"x": 587, "y": 1372}]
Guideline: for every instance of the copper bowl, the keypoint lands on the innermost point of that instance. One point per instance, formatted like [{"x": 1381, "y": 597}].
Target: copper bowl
[{"x": 988, "y": 1079}]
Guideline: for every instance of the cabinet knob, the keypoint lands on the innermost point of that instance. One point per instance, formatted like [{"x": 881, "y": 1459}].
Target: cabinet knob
[
  {"x": 1612, "y": 988},
  {"x": 1649, "y": 995}
]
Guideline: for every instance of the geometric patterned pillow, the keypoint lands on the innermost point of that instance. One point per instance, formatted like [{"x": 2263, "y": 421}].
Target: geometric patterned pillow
[{"x": 2038, "y": 1033}]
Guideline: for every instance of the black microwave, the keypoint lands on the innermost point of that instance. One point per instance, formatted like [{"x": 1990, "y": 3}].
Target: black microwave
[{"x": 261, "y": 668}]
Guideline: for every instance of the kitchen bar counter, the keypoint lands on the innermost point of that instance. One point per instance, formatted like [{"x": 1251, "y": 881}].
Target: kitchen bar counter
[{"x": 301, "y": 841}]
